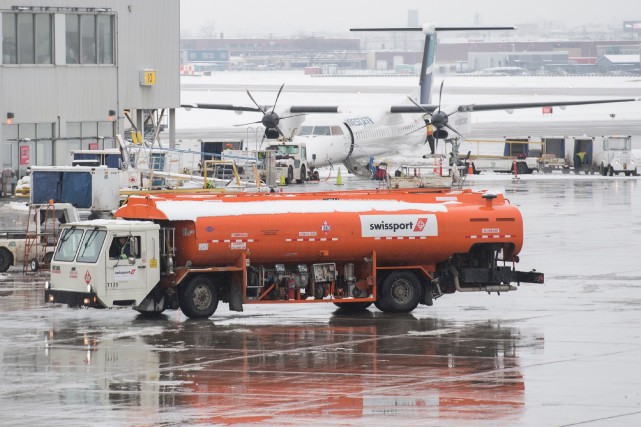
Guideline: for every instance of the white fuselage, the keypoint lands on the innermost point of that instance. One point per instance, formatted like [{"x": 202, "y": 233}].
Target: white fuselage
[{"x": 332, "y": 138}]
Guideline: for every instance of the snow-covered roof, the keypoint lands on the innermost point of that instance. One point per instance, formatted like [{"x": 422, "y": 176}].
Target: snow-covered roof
[{"x": 623, "y": 59}]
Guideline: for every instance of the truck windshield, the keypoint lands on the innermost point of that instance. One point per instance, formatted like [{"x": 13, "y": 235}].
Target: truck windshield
[
  {"x": 284, "y": 149},
  {"x": 68, "y": 244},
  {"x": 91, "y": 246},
  {"x": 617, "y": 144}
]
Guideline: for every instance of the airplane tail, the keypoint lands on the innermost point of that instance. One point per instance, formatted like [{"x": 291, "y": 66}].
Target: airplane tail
[{"x": 429, "y": 50}]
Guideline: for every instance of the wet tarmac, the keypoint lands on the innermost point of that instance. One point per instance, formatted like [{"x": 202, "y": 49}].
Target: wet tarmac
[{"x": 562, "y": 353}]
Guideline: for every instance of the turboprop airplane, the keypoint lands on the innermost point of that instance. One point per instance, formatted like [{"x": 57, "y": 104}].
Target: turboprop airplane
[{"x": 354, "y": 135}]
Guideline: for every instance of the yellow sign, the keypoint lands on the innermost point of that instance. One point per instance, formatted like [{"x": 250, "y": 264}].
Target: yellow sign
[
  {"x": 153, "y": 263},
  {"x": 148, "y": 77},
  {"x": 136, "y": 137}
]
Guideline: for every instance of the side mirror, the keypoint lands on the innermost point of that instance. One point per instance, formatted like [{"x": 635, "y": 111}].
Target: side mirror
[{"x": 133, "y": 244}]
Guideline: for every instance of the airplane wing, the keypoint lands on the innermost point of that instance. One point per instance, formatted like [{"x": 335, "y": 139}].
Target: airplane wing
[
  {"x": 227, "y": 107},
  {"x": 418, "y": 108},
  {"x": 410, "y": 108},
  {"x": 296, "y": 109}
]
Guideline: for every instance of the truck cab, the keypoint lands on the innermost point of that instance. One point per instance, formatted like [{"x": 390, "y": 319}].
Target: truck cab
[
  {"x": 617, "y": 156},
  {"x": 291, "y": 161},
  {"x": 35, "y": 244},
  {"x": 90, "y": 268}
]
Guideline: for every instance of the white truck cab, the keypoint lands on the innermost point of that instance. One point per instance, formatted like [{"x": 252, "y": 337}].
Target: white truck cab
[
  {"x": 617, "y": 156},
  {"x": 90, "y": 268},
  {"x": 35, "y": 244},
  {"x": 291, "y": 161}
]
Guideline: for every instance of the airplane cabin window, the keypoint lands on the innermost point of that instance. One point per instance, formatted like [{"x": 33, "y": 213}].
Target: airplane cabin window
[
  {"x": 321, "y": 130},
  {"x": 306, "y": 130},
  {"x": 336, "y": 130}
]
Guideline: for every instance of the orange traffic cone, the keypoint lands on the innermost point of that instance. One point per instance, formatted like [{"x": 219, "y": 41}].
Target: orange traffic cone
[{"x": 470, "y": 169}]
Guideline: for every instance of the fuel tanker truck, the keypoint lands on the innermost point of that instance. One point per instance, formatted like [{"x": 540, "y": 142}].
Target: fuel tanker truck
[{"x": 393, "y": 248}]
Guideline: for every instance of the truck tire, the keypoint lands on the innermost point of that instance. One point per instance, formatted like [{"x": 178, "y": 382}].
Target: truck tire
[
  {"x": 400, "y": 292},
  {"x": 199, "y": 298},
  {"x": 353, "y": 307},
  {"x": 6, "y": 259},
  {"x": 303, "y": 175},
  {"x": 34, "y": 265},
  {"x": 290, "y": 175}
]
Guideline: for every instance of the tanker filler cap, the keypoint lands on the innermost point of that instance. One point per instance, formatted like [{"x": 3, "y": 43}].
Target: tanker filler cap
[{"x": 489, "y": 197}]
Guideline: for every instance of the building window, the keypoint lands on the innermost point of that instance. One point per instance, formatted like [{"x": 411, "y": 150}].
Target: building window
[
  {"x": 89, "y": 39},
  {"x": 27, "y": 38},
  {"x": 9, "y": 42}
]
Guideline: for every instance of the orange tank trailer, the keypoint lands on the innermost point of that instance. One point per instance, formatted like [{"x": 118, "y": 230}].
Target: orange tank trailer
[{"x": 393, "y": 248}]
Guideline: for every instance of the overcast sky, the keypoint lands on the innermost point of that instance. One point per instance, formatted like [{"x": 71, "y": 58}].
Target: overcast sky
[{"x": 237, "y": 18}]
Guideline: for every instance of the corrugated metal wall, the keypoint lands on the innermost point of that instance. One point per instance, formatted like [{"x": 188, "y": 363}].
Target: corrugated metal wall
[{"x": 146, "y": 36}]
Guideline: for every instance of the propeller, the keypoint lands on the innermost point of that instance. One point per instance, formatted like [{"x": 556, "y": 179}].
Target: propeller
[
  {"x": 439, "y": 120},
  {"x": 270, "y": 119}
]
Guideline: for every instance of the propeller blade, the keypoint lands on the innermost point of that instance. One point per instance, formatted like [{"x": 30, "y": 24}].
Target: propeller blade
[
  {"x": 440, "y": 93},
  {"x": 250, "y": 123},
  {"x": 278, "y": 96},
  {"x": 419, "y": 106},
  {"x": 293, "y": 115},
  {"x": 255, "y": 103},
  {"x": 454, "y": 130},
  {"x": 416, "y": 130}
]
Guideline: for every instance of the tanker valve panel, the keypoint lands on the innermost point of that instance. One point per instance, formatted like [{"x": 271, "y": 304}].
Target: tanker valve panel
[{"x": 324, "y": 273}]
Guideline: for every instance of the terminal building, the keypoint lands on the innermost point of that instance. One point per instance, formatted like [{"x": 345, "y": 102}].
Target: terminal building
[{"x": 76, "y": 73}]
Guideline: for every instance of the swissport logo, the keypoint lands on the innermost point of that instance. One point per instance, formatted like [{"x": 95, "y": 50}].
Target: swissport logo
[
  {"x": 399, "y": 225},
  {"x": 420, "y": 225}
]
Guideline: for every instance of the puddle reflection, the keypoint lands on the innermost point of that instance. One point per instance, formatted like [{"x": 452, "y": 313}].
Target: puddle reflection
[{"x": 349, "y": 368}]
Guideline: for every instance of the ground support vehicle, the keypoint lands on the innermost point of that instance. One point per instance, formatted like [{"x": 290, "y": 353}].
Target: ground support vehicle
[
  {"x": 291, "y": 162},
  {"x": 617, "y": 156},
  {"x": 33, "y": 247},
  {"x": 517, "y": 157},
  {"x": 393, "y": 248},
  {"x": 553, "y": 155}
]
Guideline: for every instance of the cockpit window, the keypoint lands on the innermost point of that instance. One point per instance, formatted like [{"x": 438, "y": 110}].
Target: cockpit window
[
  {"x": 321, "y": 130},
  {"x": 306, "y": 130}
]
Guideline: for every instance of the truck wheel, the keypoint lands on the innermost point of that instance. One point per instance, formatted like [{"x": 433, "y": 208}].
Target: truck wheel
[
  {"x": 400, "y": 293},
  {"x": 199, "y": 298},
  {"x": 610, "y": 170},
  {"x": 353, "y": 307},
  {"x": 34, "y": 265},
  {"x": 290, "y": 175},
  {"x": 303, "y": 175},
  {"x": 5, "y": 260}
]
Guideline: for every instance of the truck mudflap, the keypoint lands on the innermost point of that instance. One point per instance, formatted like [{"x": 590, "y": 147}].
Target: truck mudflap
[{"x": 74, "y": 299}]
